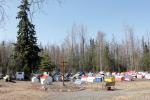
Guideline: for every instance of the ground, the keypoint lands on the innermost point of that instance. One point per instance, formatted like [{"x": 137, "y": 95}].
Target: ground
[{"x": 25, "y": 90}]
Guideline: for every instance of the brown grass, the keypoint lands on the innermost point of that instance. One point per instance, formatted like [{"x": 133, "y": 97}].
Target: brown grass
[
  {"x": 25, "y": 90},
  {"x": 144, "y": 96}
]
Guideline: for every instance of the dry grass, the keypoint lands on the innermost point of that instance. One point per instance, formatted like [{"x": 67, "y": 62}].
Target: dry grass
[
  {"x": 20, "y": 91},
  {"x": 133, "y": 85},
  {"x": 124, "y": 85},
  {"x": 25, "y": 90},
  {"x": 144, "y": 96}
]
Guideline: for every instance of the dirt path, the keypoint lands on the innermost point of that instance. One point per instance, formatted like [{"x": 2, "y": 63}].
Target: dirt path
[
  {"x": 102, "y": 95},
  {"x": 137, "y": 90}
]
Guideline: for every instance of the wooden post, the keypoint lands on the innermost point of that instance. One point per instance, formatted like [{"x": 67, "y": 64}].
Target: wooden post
[{"x": 63, "y": 70}]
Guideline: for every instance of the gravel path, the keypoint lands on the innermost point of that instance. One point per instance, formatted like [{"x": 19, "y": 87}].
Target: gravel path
[
  {"x": 98, "y": 95},
  {"x": 124, "y": 91}
]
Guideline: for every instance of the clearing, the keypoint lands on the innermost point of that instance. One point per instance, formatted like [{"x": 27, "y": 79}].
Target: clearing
[{"x": 25, "y": 90}]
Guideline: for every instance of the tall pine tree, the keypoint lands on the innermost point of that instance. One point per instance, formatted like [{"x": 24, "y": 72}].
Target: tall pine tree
[
  {"x": 26, "y": 48},
  {"x": 146, "y": 57},
  {"x": 107, "y": 58}
]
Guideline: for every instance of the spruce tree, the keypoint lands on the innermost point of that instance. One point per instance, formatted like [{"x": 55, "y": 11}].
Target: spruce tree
[
  {"x": 107, "y": 58},
  {"x": 26, "y": 48},
  {"x": 92, "y": 55},
  {"x": 146, "y": 57},
  {"x": 46, "y": 64}
]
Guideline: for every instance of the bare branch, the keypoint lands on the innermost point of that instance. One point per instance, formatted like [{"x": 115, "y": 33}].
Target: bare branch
[{"x": 2, "y": 11}]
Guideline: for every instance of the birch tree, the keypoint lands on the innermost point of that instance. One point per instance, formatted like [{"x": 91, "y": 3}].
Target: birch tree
[{"x": 100, "y": 48}]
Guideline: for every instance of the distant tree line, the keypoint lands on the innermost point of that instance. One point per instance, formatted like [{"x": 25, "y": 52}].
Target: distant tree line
[
  {"x": 78, "y": 50},
  {"x": 82, "y": 53}
]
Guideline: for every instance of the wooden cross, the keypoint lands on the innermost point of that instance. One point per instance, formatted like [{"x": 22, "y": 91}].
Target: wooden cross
[{"x": 63, "y": 70}]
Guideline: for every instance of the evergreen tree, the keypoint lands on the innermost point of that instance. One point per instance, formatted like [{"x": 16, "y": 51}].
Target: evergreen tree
[
  {"x": 146, "y": 57},
  {"x": 107, "y": 58},
  {"x": 46, "y": 64},
  {"x": 92, "y": 55},
  {"x": 26, "y": 49}
]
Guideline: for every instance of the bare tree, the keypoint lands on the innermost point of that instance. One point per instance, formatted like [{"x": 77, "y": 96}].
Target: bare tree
[
  {"x": 130, "y": 45},
  {"x": 100, "y": 40},
  {"x": 35, "y": 6},
  {"x": 3, "y": 14},
  {"x": 73, "y": 56},
  {"x": 82, "y": 34}
]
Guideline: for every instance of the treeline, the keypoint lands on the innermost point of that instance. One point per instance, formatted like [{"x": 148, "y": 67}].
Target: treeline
[
  {"x": 95, "y": 54},
  {"x": 89, "y": 54}
]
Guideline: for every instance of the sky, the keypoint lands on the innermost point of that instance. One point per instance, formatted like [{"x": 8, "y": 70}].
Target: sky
[{"x": 54, "y": 21}]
